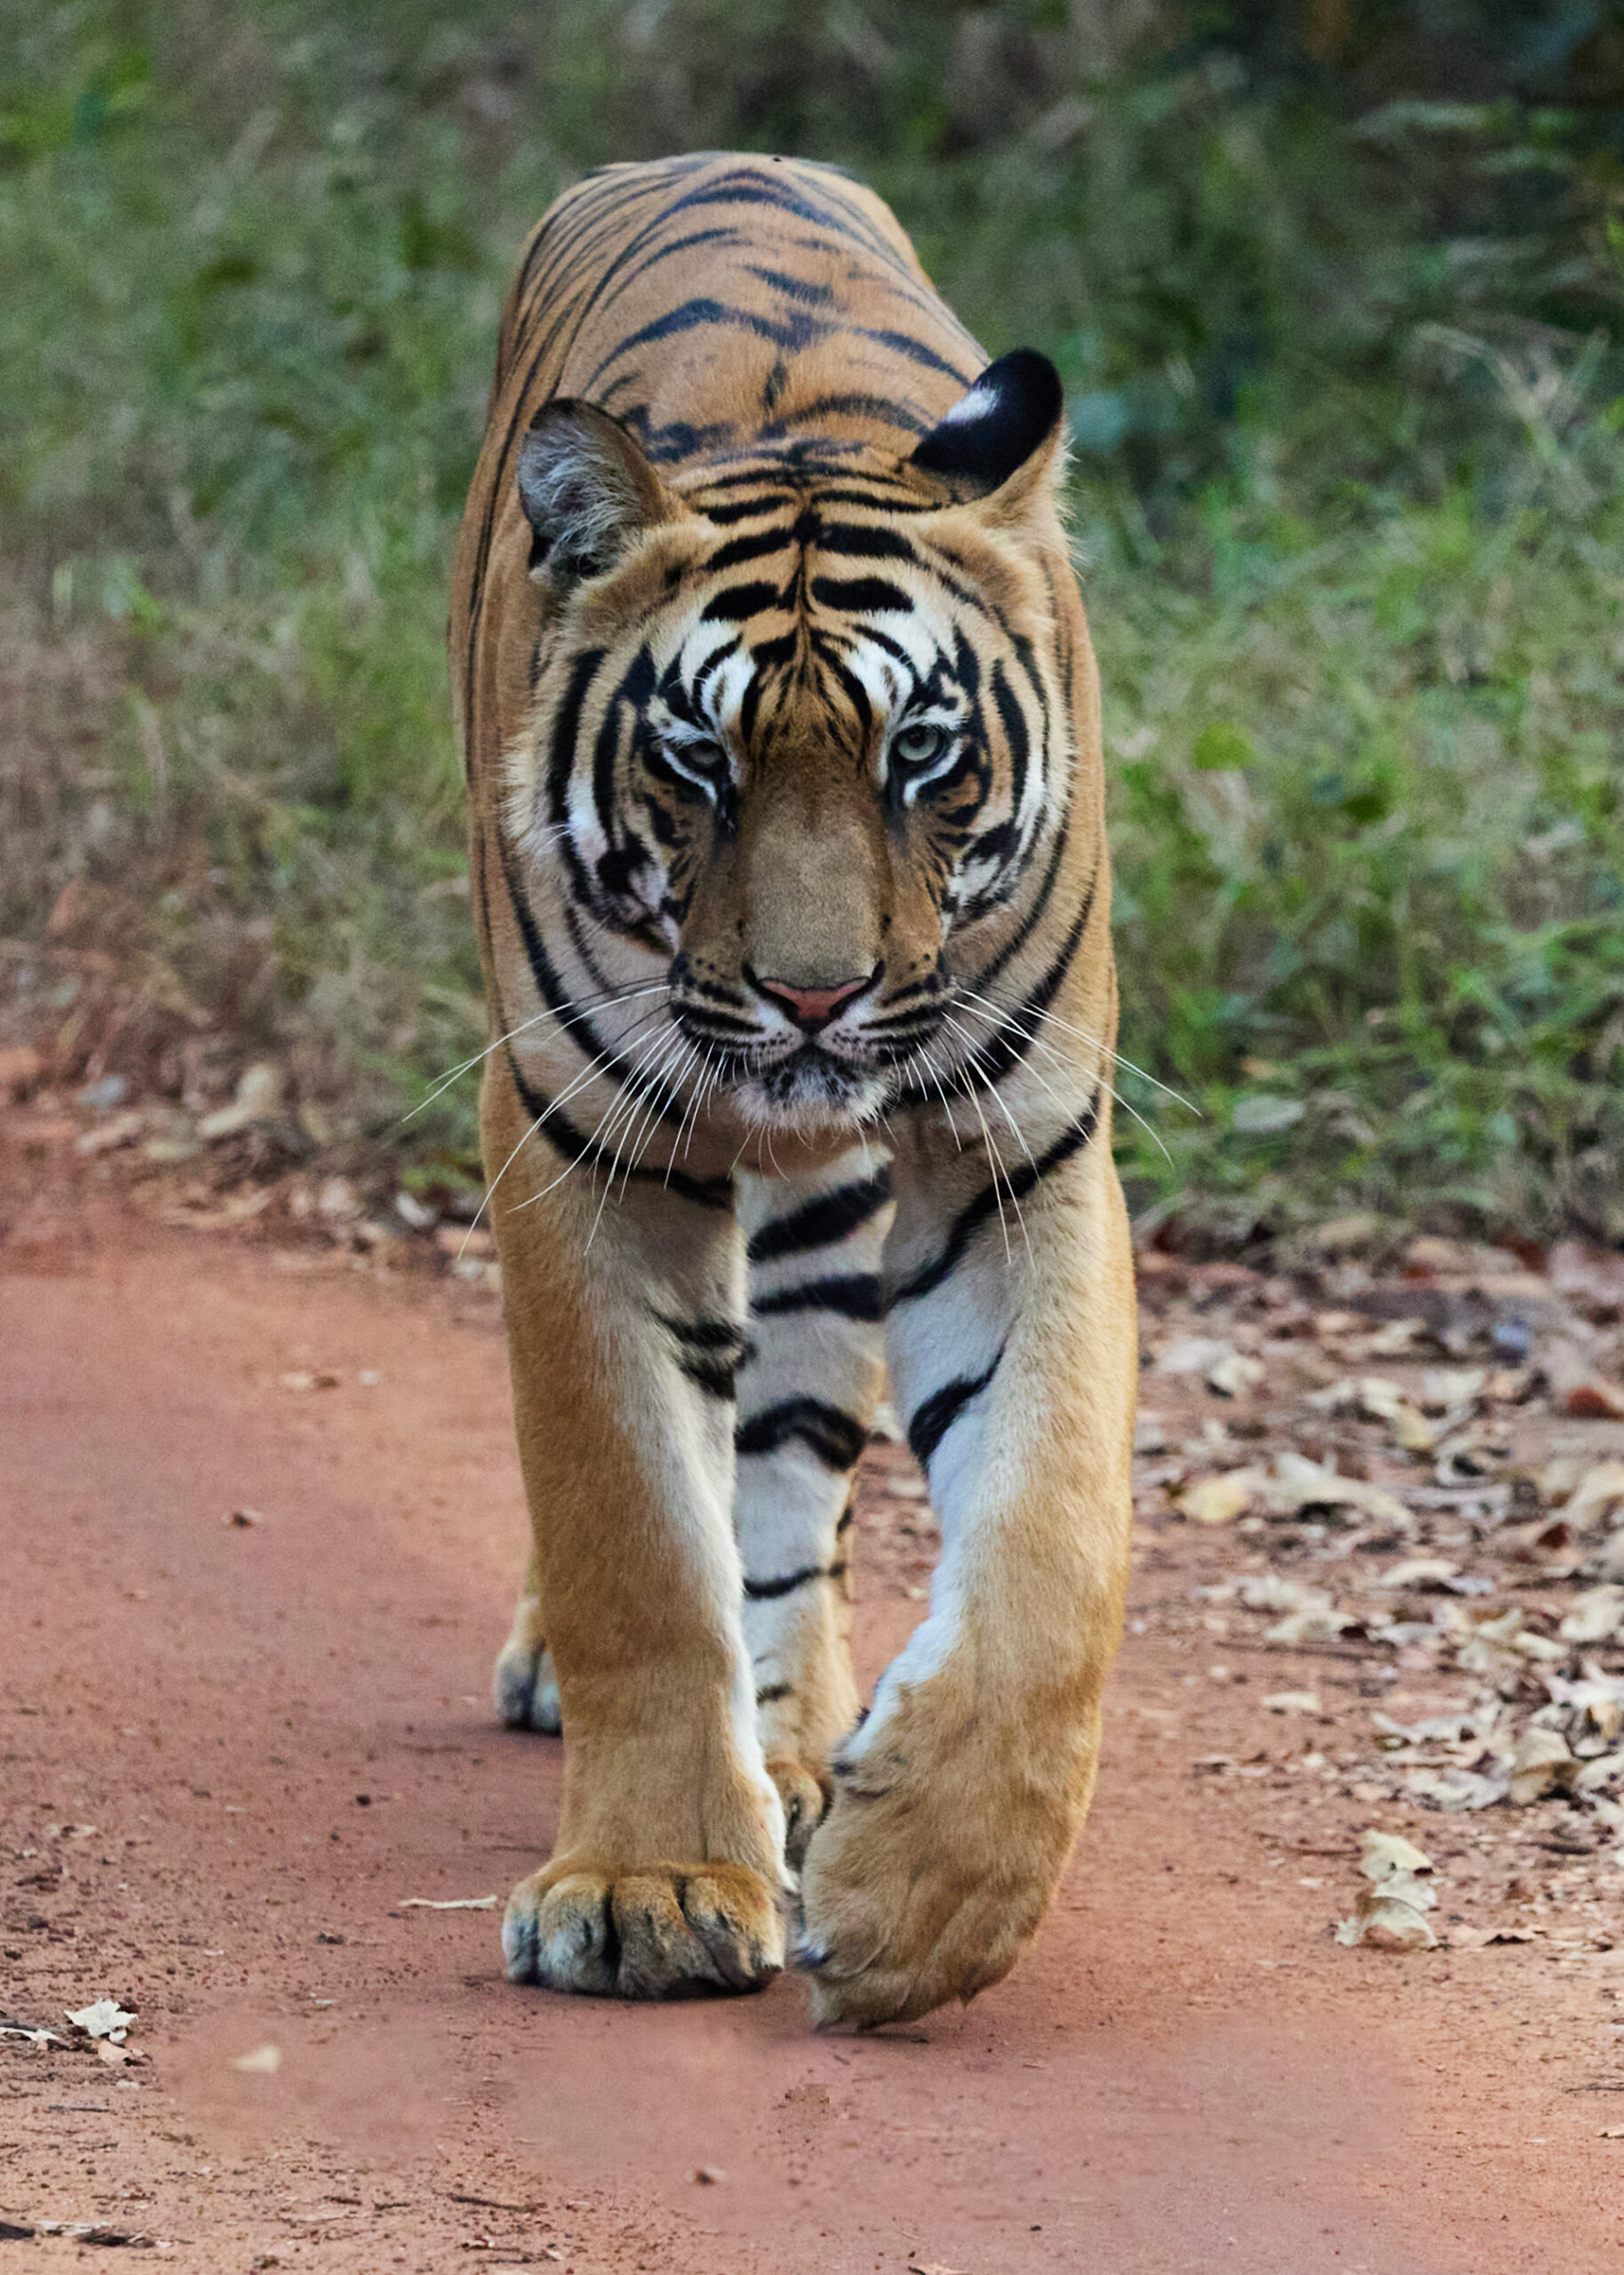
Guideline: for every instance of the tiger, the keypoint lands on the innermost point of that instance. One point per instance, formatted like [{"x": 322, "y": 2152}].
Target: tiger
[{"x": 780, "y": 723}]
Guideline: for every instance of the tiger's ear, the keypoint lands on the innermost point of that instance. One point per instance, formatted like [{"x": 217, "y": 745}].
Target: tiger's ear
[
  {"x": 1003, "y": 440},
  {"x": 587, "y": 490}
]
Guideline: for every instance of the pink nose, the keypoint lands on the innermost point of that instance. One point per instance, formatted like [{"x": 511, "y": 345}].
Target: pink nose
[{"x": 812, "y": 1007}]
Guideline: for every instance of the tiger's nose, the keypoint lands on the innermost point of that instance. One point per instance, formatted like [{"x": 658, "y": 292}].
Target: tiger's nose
[{"x": 810, "y": 1008}]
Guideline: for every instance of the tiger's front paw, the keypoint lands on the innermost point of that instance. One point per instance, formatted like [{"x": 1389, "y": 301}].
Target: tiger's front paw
[
  {"x": 651, "y": 1931},
  {"x": 932, "y": 1869}
]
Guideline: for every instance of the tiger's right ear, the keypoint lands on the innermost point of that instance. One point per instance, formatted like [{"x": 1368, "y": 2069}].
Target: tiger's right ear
[{"x": 587, "y": 490}]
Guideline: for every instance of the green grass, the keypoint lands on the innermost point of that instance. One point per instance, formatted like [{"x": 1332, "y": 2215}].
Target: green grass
[
  {"x": 1370, "y": 854},
  {"x": 1345, "y": 373}
]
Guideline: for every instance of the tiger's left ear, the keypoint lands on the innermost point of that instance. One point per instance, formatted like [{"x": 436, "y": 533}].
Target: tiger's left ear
[{"x": 1002, "y": 442}]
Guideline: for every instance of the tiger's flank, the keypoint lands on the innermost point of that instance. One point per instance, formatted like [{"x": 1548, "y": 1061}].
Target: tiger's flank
[{"x": 781, "y": 728}]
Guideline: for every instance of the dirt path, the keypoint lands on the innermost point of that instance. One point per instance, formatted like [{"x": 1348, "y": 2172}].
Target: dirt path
[{"x": 229, "y": 1753}]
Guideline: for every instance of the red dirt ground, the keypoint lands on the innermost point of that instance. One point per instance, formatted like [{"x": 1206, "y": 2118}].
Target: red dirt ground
[{"x": 279, "y": 1732}]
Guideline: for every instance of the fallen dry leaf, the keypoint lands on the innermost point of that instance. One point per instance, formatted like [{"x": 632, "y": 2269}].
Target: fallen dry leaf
[
  {"x": 1603, "y": 1769},
  {"x": 258, "y": 1093},
  {"x": 304, "y": 1378},
  {"x": 1383, "y": 1856},
  {"x": 1292, "y": 1702},
  {"x": 1596, "y": 1496},
  {"x": 123, "y": 1129},
  {"x": 1314, "y": 1623},
  {"x": 446, "y": 1903},
  {"x": 1384, "y": 1402},
  {"x": 1299, "y": 1483},
  {"x": 1219, "y": 1499},
  {"x": 1418, "y": 1572},
  {"x": 1391, "y": 1913},
  {"x": 1149, "y": 1433},
  {"x": 1387, "y": 1923},
  {"x": 103, "y": 2019},
  {"x": 97, "y": 2232},
  {"x": 1444, "y": 1388},
  {"x": 1541, "y": 1764},
  {"x": 264, "y": 2062},
  {"x": 1595, "y": 1400},
  {"x": 1310, "y": 1616},
  {"x": 1594, "y": 1616},
  {"x": 1235, "y": 1374},
  {"x": 1193, "y": 1354}
]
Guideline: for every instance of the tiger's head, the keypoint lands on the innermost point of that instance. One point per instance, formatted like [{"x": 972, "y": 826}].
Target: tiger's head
[{"x": 800, "y": 729}]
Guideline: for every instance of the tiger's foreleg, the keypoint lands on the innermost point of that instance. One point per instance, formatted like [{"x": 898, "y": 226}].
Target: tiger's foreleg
[
  {"x": 624, "y": 1323},
  {"x": 807, "y": 1395},
  {"x": 958, "y": 1802}
]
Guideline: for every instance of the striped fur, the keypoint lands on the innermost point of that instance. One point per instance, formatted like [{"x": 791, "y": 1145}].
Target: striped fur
[{"x": 780, "y": 724}]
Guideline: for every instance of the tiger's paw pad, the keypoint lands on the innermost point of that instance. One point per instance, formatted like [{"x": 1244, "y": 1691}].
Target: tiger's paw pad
[
  {"x": 525, "y": 1687},
  {"x": 659, "y": 1931}
]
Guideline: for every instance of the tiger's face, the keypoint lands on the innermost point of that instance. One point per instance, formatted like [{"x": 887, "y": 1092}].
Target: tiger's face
[{"x": 797, "y": 733}]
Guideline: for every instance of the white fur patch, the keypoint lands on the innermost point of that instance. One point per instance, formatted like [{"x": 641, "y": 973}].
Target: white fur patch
[{"x": 980, "y": 402}]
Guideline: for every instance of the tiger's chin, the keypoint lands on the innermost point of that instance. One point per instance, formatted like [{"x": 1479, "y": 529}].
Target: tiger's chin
[{"x": 809, "y": 1093}]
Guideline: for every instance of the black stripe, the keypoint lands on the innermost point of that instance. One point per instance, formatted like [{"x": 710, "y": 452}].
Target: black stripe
[
  {"x": 1015, "y": 735},
  {"x": 821, "y": 1222},
  {"x": 774, "y": 1691},
  {"x": 713, "y": 1376},
  {"x": 849, "y": 403},
  {"x": 764, "y": 1591},
  {"x": 975, "y": 1213},
  {"x": 565, "y": 1136},
  {"x": 1017, "y": 1023},
  {"x": 940, "y": 1411},
  {"x": 560, "y": 758},
  {"x": 739, "y": 602},
  {"x": 861, "y": 596},
  {"x": 853, "y": 1295},
  {"x": 834, "y": 1437},
  {"x": 738, "y": 549},
  {"x": 713, "y": 1352},
  {"x": 854, "y": 539}
]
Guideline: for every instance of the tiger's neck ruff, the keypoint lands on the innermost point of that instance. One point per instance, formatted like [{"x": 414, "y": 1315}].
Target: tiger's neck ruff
[{"x": 780, "y": 729}]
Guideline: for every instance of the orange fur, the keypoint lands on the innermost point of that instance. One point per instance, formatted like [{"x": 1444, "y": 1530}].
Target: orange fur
[{"x": 946, "y": 1820}]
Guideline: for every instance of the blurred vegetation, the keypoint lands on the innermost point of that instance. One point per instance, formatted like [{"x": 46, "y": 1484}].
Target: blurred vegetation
[{"x": 1337, "y": 288}]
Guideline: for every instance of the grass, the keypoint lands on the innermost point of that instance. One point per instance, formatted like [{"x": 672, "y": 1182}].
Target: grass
[{"x": 1347, "y": 497}]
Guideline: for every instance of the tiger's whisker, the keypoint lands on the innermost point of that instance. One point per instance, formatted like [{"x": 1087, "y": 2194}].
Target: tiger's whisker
[
  {"x": 581, "y": 1003},
  {"x": 1082, "y": 1034}
]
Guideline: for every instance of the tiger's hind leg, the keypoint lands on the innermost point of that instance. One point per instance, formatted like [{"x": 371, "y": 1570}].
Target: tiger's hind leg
[
  {"x": 806, "y": 1394},
  {"x": 525, "y": 1681}
]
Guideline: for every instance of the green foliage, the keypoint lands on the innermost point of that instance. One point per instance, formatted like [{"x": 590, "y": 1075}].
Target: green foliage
[
  {"x": 1336, "y": 293},
  {"x": 1376, "y": 928}
]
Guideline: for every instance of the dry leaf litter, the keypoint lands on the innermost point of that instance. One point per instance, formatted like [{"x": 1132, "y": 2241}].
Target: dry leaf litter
[{"x": 1401, "y": 1475}]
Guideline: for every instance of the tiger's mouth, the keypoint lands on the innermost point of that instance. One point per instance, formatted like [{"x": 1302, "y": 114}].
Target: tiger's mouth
[{"x": 784, "y": 1083}]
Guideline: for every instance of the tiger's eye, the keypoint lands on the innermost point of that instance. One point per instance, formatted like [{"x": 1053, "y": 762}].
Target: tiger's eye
[{"x": 918, "y": 745}]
